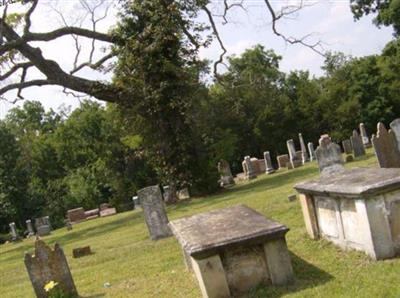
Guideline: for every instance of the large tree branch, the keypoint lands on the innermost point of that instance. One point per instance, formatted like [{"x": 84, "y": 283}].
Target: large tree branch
[
  {"x": 56, "y": 76},
  {"x": 23, "y": 85},
  {"x": 69, "y": 31}
]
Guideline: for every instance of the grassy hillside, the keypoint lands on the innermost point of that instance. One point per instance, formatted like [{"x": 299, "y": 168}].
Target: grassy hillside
[{"x": 138, "y": 267}]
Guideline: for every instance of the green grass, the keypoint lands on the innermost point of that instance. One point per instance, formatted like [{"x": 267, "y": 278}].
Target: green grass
[{"x": 138, "y": 267}]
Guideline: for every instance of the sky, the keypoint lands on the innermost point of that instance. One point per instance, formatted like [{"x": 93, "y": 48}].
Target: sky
[{"x": 330, "y": 22}]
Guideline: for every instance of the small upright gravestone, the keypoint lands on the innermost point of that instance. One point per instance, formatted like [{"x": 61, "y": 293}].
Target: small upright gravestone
[
  {"x": 395, "y": 126},
  {"x": 312, "y": 151},
  {"x": 29, "y": 226},
  {"x": 250, "y": 171},
  {"x": 154, "y": 212},
  {"x": 364, "y": 136},
  {"x": 304, "y": 154},
  {"x": 348, "y": 150},
  {"x": 226, "y": 178},
  {"x": 329, "y": 156},
  {"x": 385, "y": 146},
  {"x": 42, "y": 225},
  {"x": 294, "y": 160},
  {"x": 357, "y": 144},
  {"x": 269, "y": 169},
  {"x": 13, "y": 231},
  {"x": 47, "y": 265}
]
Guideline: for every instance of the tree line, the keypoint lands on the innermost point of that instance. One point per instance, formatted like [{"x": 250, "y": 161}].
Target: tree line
[{"x": 52, "y": 161}]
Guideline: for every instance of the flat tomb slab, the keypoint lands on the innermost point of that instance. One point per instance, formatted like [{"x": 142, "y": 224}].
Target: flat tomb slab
[
  {"x": 233, "y": 250},
  {"x": 211, "y": 232},
  {"x": 354, "y": 182}
]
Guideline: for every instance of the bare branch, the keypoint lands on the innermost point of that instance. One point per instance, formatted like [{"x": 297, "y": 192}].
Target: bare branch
[
  {"x": 93, "y": 65},
  {"x": 23, "y": 85},
  {"x": 16, "y": 67},
  {"x": 291, "y": 40},
  {"x": 28, "y": 16},
  {"x": 221, "y": 44}
]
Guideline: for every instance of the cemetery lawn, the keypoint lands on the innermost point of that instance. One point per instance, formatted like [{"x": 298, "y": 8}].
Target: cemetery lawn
[{"x": 135, "y": 266}]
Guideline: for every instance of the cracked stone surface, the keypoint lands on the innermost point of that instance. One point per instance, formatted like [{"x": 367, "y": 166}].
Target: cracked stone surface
[{"x": 211, "y": 232}]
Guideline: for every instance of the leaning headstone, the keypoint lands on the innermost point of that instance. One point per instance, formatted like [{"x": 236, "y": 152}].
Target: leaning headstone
[
  {"x": 329, "y": 156},
  {"x": 357, "y": 144},
  {"x": 42, "y": 226},
  {"x": 364, "y": 136},
  {"x": 395, "y": 127},
  {"x": 250, "y": 174},
  {"x": 225, "y": 173},
  {"x": 29, "y": 227},
  {"x": 154, "y": 212},
  {"x": 13, "y": 231},
  {"x": 282, "y": 160},
  {"x": 269, "y": 169},
  {"x": 304, "y": 154},
  {"x": 385, "y": 146},
  {"x": 312, "y": 151},
  {"x": 294, "y": 160},
  {"x": 47, "y": 265}
]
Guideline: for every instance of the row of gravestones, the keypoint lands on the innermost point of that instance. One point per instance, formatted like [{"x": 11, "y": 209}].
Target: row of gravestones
[
  {"x": 353, "y": 147},
  {"x": 42, "y": 226},
  {"x": 253, "y": 166}
]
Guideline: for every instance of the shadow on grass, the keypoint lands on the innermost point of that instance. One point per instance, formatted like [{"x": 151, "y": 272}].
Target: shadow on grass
[
  {"x": 306, "y": 275},
  {"x": 93, "y": 296},
  {"x": 261, "y": 184}
]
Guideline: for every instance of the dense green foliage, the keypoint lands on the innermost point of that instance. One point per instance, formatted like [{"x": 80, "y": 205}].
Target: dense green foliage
[{"x": 387, "y": 12}]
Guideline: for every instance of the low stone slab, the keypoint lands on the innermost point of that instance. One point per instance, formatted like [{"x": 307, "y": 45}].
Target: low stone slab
[
  {"x": 81, "y": 252},
  {"x": 76, "y": 215},
  {"x": 108, "y": 212}
]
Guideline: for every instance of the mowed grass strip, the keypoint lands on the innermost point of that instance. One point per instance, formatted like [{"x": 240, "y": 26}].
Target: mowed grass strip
[{"x": 135, "y": 266}]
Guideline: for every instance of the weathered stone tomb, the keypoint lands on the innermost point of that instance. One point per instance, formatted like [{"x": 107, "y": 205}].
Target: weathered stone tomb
[
  {"x": 357, "y": 208},
  {"x": 234, "y": 249}
]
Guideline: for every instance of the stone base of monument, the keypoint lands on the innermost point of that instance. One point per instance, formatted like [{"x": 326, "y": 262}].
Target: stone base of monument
[
  {"x": 234, "y": 249},
  {"x": 43, "y": 230},
  {"x": 358, "y": 209}
]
